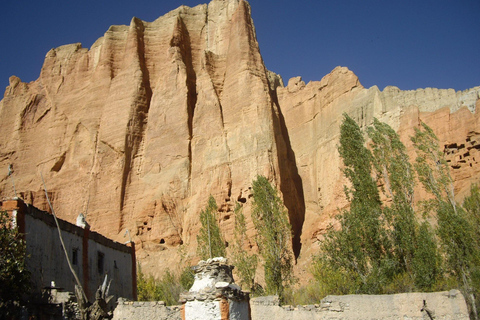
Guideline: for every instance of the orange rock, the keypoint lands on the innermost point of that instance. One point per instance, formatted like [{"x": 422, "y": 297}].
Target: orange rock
[{"x": 140, "y": 129}]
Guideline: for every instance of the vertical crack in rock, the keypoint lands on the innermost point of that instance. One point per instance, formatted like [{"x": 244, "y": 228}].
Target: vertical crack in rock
[
  {"x": 215, "y": 64},
  {"x": 282, "y": 154},
  {"x": 139, "y": 111},
  {"x": 291, "y": 184},
  {"x": 28, "y": 113},
  {"x": 94, "y": 168},
  {"x": 181, "y": 40}
]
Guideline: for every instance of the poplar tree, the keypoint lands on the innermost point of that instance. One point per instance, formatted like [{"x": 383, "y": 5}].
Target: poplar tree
[
  {"x": 455, "y": 229},
  {"x": 360, "y": 247},
  {"x": 209, "y": 239},
  {"x": 431, "y": 166},
  {"x": 472, "y": 207},
  {"x": 274, "y": 238},
  {"x": 245, "y": 263},
  {"x": 413, "y": 244},
  {"x": 394, "y": 170},
  {"x": 433, "y": 172},
  {"x": 378, "y": 245}
]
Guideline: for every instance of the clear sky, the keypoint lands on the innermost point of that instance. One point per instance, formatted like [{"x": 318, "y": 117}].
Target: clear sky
[{"x": 406, "y": 43}]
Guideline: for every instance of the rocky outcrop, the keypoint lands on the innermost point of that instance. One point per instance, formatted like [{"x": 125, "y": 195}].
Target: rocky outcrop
[
  {"x": 313, "y": 113},
  {"x": 137, "y": 131}
]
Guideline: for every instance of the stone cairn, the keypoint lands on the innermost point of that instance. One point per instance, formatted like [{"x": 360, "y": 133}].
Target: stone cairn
[{"x": 214, "y": 294}]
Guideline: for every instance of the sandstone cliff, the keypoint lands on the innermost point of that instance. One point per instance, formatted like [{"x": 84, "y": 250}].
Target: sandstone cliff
[
  {"x": 313, "y": 114},
  {"x": 141, "y": 128}
]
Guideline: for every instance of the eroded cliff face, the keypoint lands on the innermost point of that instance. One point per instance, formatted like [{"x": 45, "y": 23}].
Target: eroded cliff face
[
  {"x": 141, "y": 128},
  {"x": 313, "y": 113}
]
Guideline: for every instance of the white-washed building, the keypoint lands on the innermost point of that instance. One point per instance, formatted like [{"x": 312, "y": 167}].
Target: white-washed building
[{"x": 92, "y": 255}]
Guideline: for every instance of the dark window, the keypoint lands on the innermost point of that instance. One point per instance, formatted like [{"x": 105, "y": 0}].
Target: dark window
[
  {"x": 75, "y": 256},
  {"x": 100, "y": 261}
]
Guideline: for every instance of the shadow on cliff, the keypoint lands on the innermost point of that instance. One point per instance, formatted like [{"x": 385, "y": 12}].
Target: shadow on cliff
[{"x": 291, "y": 184}]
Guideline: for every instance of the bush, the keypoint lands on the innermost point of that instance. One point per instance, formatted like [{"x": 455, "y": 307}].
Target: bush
[
  {"x": 305, "y": 295},
  {"x": 14, "y": 276},
  {"x": 167, "y": 289}
]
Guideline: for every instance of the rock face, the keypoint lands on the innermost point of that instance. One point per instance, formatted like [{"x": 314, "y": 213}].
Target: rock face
[
  {"x": 313, "y": 114},
  {"x": 137, "y": 131}
]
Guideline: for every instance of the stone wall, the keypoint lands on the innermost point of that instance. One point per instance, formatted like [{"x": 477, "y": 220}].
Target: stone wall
[
  {"x": 440, "y": 305},
  {"x": 140, "y": 310},
  {"x": 447, "y": 305}
]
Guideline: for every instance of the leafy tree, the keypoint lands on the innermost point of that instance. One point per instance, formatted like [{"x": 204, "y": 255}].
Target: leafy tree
[
  {"x": 360, "y": 247},
  {"x": 209, "y": 239},
  {"x": 392, "y": 163},
  {"x": 413, "y": 245},
  {"x": 393, "y": 168},
  {"x": 427, "y": 263},
  {"x": 14, "y": 276},
  {"x": 431, "y": 166},
  {"x": 357, "y": 169},
  {"x": 378, "y": 248},
  {"x": 245, "y": 264},
  {"x": 472, "y": 207},
  {"x": 456, "y": 229},
  {"x": 365, "y": 214},
  {"x": 274, "y": 236}
]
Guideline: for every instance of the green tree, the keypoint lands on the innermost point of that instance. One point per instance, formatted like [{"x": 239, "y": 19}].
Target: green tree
[
  {"x": 209, "y": 239},
  {"x": 427, "y": 263},
  {"x": 472, "y": 206},
  {"x": 455, "y": 230},
  {"x": 14, "y": 276},
  {"x": 394, "y": 170},
  {"x": 379, "y": 247},
  {"x": 414, "y": 246},
  {"x": 245, "y": 264},
  {"x": 431, "y": 166},
  {"x": 392, "y": 163},
  {"x": 360, "y": 247},
  {"x": 274, "y": 236}
]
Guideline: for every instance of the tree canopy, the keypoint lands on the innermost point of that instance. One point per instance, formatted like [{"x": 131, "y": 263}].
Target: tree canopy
[
  {"x": 245, "y": 263},
  {"x": 14, "y": 276},
  {"x": 274, "y": 236},
  {"x": 209, "y": 239}
]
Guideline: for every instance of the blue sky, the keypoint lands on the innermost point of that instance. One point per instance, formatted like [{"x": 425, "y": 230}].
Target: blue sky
[{"x": 408, "y": 44}]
